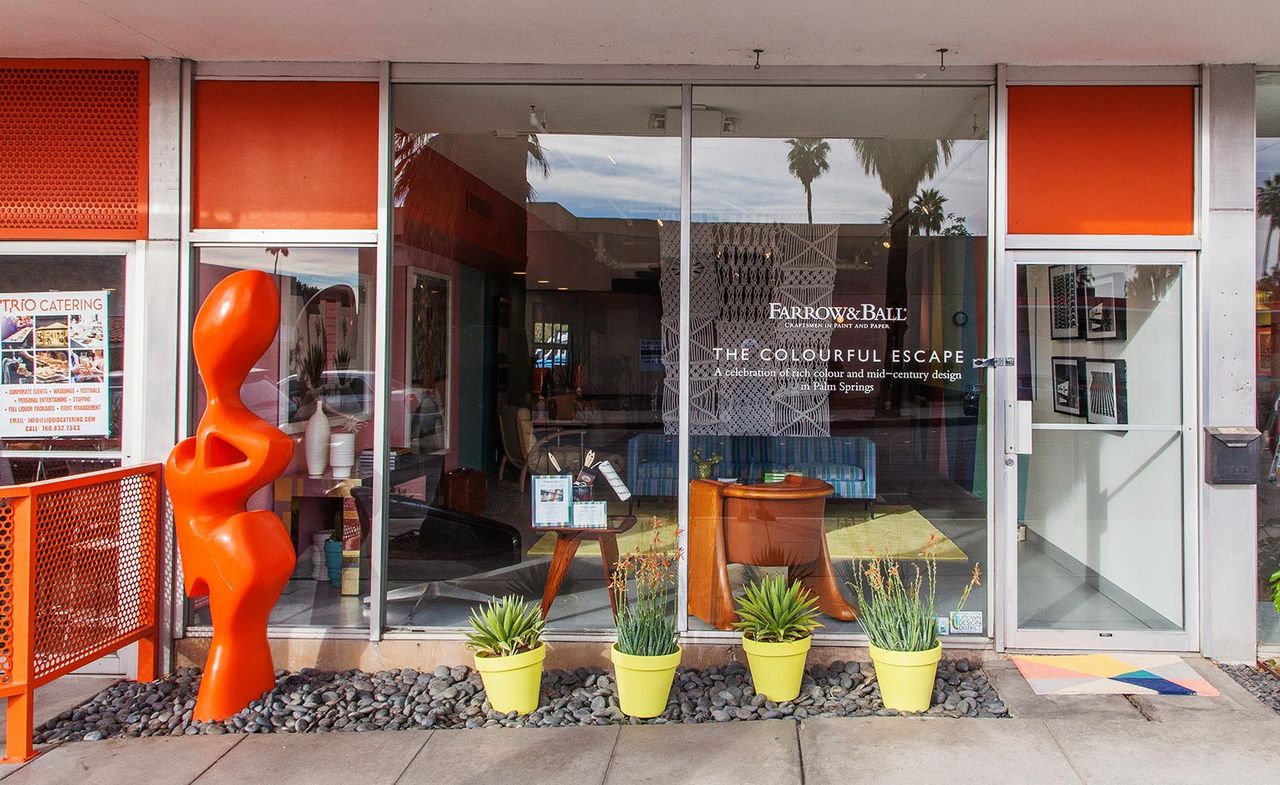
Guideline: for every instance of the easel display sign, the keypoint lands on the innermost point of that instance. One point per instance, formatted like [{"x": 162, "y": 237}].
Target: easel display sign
[
  {"x": 590, "y": 515},
  {"x": 568, "y": 501},
  {"x": 552, "y": 495},
  {"x": 53, "y": 364}
]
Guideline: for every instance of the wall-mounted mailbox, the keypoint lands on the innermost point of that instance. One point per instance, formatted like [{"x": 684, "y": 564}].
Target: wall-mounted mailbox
[{"x": 1232, "y": 455}]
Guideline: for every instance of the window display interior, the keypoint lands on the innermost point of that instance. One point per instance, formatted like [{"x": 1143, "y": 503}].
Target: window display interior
[
  {"x": 838, "y": 295},
  {"x": 540, "y": 218},
  {"x": 316, "y": 384},
  {"x": 61, "y": 337},
  {"x": 554, "y": 214}
]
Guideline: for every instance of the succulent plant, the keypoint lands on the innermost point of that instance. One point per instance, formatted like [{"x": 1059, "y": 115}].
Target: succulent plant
[
  {"x": 769, "y": 611},
  {"x": 505, "y": 627},
  {"x": 705, "y": 466}
]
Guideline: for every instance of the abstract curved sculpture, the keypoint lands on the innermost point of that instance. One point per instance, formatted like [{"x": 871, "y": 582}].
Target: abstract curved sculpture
[{"x": 240, "y": 559}]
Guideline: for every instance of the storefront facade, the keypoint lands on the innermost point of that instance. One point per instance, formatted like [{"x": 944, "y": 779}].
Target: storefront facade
[{"x": 994, "y": 308}]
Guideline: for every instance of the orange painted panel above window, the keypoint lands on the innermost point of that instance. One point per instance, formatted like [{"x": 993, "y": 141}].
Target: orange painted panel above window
[
  {"x": 284, "y": 155},
  {"x": 1101, "y": 160},
  {"x": 73, "y": 149}
]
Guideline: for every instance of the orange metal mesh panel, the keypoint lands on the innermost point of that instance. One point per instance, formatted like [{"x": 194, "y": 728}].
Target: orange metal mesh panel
[
  {"x": 95, "y": 568},
  {"x": 73, "y": 142},
  {"x": 6, "y": 591}
]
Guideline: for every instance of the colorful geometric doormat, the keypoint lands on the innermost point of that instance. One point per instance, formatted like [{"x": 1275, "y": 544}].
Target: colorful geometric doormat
[{"x": 1108, "y": 674}]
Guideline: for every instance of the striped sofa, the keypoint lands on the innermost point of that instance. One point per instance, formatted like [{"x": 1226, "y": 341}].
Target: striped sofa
[{"x": 848, "y": 463}]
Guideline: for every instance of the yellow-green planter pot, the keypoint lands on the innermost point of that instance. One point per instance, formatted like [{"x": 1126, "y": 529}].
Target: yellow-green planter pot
[
  {"x": 513, "y": 683},
  {"x": 777, "y": 668},
  {"x": 906, "y": 677},
  {"x": 644, "y": 683}
]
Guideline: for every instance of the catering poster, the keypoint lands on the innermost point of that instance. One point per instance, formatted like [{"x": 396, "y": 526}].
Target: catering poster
[{"x": 53, "y": 364}]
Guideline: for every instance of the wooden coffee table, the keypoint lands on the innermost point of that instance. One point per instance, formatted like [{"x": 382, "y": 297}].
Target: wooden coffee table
[{"x": 567, "y": 540}]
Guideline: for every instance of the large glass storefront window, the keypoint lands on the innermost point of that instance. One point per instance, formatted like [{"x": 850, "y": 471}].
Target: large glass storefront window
[
  {"x": 838, "y": 300},
  {"x": 535, "y": 327},
  {"x": 315, "y": 383},
  {"x": 61, "y": 364},
  {"x": 838, "y": 290},
  {"x": 1268, "y": 346}
]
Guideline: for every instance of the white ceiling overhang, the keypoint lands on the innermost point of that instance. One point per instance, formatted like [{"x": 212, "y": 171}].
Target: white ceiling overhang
[{"x": 694, "y": 32}]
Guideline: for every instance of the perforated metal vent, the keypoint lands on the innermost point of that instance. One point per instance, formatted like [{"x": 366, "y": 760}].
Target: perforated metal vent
[{"x": 73, "y": 150}]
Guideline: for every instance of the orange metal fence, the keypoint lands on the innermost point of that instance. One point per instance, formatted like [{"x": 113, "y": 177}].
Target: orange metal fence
[{"x": 78, "y": 580}]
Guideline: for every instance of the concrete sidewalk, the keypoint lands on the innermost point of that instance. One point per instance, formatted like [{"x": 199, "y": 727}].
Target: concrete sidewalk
[{"x": 1102, "y": 740}]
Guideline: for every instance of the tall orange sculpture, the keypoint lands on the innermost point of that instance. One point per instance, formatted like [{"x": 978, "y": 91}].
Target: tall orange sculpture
[{"x": 240, "y": 559}]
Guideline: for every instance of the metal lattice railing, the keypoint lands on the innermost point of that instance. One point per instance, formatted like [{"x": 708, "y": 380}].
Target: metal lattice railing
[{"x": 78, "y": 580}]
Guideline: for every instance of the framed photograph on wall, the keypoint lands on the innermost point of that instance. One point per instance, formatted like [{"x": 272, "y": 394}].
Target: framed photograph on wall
[
  {"x": 1064, "y": 301},
  {"x": 1106, "y": 392},
  {"x": 1104, "y": 308},
  {"x": 428, "y": 359},
  {"x": 1068, "y": 385}
]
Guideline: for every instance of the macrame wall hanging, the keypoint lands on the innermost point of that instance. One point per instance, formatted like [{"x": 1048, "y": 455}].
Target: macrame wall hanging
[{"x": 737, "y": 270}]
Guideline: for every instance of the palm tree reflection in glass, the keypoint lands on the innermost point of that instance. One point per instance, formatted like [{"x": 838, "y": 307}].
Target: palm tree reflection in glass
[
  {"x": 806, "y": 161},
  {"x": 901, "y": 165}
]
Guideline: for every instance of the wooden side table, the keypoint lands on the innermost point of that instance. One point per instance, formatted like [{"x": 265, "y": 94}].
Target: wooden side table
[{"x": 567, "y": 540}]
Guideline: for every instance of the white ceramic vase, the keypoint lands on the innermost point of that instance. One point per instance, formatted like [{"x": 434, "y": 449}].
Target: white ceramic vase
[
  {"x": 319, "y": 568},
  {"x": 316, "y": 441},
  {"x": 342, "y": 454}
]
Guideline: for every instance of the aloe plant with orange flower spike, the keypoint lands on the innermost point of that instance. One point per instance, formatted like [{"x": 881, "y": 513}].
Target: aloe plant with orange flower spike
[
  {"x": 646, "y": 619},
  {"x": 897, "y": 613}
]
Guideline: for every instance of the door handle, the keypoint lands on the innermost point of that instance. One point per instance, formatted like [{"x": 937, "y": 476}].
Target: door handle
[{"x": 1017, "y": 427}]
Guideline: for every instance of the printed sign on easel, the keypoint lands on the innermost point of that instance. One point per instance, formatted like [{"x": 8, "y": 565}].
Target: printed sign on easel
[{"x": 552, "y": 495}]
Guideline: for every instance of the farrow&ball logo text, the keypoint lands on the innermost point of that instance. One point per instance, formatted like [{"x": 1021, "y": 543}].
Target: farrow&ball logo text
[{"x": 863, "y": 314}]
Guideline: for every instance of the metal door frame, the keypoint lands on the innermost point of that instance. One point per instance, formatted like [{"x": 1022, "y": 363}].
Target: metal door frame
[{"x": 1093, "y": 250}]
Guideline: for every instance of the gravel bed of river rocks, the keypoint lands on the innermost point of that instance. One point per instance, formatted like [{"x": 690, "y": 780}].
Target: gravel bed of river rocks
[
  {"x": 1263, "y": 684},
  {"x": 321, "y": 702}
]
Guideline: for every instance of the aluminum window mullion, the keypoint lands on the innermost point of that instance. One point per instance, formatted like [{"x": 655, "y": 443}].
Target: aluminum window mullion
[
  {"x": 1105, "y": 428},
  {"x": 682, "y": 451},
  {"x": 1003, "y": 299},
  {"x": 382, "y": 374},
  {"x": 993, "y": 242}
]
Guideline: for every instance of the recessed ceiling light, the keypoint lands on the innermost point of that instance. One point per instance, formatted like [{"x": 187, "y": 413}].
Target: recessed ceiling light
[
  {"x": 521, "y": 272},
  {"x": 543, "y": 280},
  {"x": 562, "y": 288},
  {"x": 885, "y": 243}
]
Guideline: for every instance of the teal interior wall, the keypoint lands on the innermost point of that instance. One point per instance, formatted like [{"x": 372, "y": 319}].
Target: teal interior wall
[{"x": 474, "y": 369}]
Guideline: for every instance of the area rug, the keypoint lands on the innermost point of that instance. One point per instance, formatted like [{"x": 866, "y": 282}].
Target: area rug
[
  {"x": 1112, "y": 674},
  {"x": 637, "y": 538},
  {"x": 898, "y": 531}
]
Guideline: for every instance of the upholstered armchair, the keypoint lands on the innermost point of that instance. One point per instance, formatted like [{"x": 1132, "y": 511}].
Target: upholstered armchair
[
  {"x": 767, "y": 525},
  {"x": 525, "y": 448}
]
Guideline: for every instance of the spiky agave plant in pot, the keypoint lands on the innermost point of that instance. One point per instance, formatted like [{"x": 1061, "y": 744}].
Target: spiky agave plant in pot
[
  {"x": 506, "y": 638},
  {"x": 645, "y": 656},
  {"x": 900, "y": 618},
  {"x": 777, "y": 623}
]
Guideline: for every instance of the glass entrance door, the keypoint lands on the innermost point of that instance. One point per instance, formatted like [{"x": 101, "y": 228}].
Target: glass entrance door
[{"x": 1096, "y": 529}]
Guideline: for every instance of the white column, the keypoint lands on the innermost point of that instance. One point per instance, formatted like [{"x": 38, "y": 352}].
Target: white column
[
  {"x": 151, "y": 286},
  {"x": 151, "y": 321},
  {"x": 1228, "y": 514}
]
